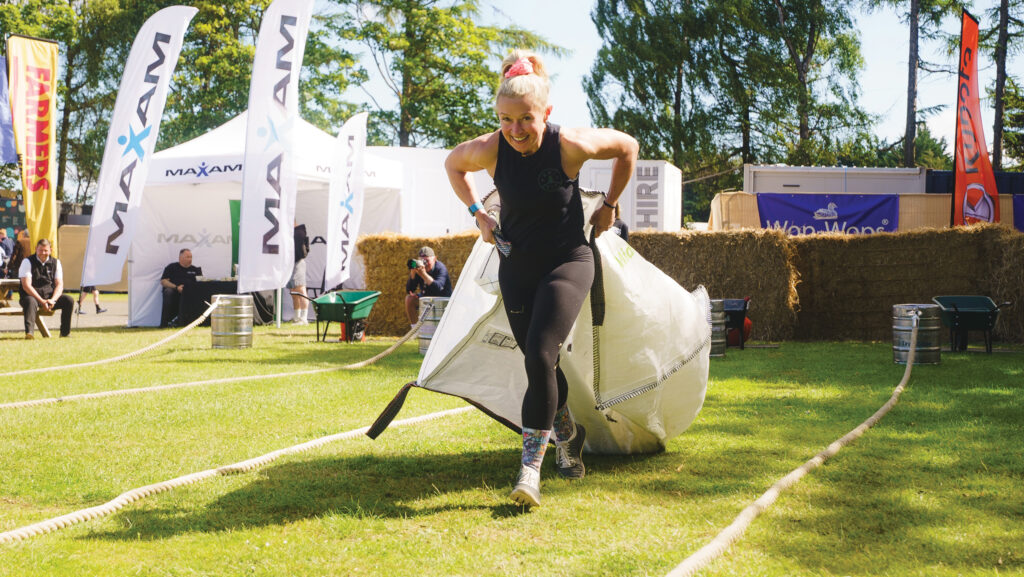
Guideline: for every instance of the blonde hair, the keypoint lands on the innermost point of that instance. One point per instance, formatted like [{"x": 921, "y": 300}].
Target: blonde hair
[{"x": 534, "y": 84}]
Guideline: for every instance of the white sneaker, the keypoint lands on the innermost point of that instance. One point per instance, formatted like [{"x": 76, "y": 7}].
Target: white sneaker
[{"x": 527, "y": 490}]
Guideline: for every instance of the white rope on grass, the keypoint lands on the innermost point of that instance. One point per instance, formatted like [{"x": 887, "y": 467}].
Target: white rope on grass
[
  {"x": 122, "y": 392},
  {"x": 136, "y": 494},
  {"x": 708, "y": 553},
  {"x": 123, "y": 357}
]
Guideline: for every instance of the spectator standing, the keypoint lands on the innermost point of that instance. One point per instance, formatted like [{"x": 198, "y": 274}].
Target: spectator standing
[
  {"x": 6, "y": 248},
  {"x": 95, "y": 299},
  {"x": 297, "y": 284}
]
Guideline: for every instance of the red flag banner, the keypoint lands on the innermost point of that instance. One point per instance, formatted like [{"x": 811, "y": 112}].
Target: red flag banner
[{"x": 975, "y": 198}]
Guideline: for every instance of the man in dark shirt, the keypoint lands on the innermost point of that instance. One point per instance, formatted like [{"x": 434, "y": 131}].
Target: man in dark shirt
[
  {"x": 176, "y": 276},
  {"x": 428, "y": 279}
]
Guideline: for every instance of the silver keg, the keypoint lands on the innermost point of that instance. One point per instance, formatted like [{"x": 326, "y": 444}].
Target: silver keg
[
  {"x": 231, "y": 322},
  {"x": 432, "y": 310},
  {"x": 927, "y": 351},
  {"x": 718, "y": 336}
]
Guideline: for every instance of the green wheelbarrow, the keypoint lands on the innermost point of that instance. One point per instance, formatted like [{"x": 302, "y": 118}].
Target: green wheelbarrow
[
  {"x": 963, "y": 313},
  {"x": 349, "y": 307}
]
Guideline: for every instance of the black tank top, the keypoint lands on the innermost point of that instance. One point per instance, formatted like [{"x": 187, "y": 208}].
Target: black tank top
[{"x": 541, "y": 209}]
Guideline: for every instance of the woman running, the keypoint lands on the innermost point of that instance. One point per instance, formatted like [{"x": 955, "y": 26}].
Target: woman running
[{"x": 546, "y": 265}]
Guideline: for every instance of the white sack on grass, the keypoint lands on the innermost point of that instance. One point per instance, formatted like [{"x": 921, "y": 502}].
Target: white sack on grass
[{"x": 652, "y": 351}]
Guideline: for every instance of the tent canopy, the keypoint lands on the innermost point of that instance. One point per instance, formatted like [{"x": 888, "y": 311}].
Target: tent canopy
[{"x": 217, "y": 157}]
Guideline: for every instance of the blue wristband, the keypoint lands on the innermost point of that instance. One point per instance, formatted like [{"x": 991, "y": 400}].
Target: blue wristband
[{"x": 474, "y": 207}]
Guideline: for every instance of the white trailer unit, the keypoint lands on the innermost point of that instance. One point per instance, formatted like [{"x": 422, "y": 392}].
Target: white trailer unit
[{"x": 833, "y": 179}]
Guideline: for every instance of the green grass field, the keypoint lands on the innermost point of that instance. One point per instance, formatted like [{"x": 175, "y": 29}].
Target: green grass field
[{"x": 937, "y": 488}]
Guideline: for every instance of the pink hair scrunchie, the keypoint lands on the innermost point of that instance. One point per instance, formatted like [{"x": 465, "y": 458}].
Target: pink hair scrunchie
[{"x": 521, "y": 67}]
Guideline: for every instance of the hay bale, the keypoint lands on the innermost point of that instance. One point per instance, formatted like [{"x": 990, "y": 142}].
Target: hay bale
[
  {"x": 732, "y": 264},
  {"x": 816, "y": 287},
  {"x": 385, "y": 257},
  {"x": 1007, "y": 284},
  {"x": 849, "y": 283}
]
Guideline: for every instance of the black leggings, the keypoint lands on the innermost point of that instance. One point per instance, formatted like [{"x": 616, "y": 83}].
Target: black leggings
[{"x": 543, "y": 294}]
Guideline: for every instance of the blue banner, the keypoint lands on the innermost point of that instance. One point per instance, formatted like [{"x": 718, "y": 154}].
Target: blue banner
[
  {"x": 844, "y": 213},
  {"x": 8, "y": 154},
  {"x": 1018, "y": 212}
]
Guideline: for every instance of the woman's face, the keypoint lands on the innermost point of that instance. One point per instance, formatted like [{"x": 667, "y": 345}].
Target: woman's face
[{"x": 522, "y": 122}]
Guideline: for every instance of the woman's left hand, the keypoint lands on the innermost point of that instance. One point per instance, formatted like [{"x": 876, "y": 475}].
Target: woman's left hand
[{"x": 602, "y": 219}]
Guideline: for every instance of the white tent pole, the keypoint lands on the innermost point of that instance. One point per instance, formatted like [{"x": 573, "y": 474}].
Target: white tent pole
[
  {"x": 131, "y": 259},
  {"x": 277, "y": 309}
]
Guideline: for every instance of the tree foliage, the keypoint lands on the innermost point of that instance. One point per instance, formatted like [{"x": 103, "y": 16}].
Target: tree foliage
[
  {"x": 436, "y": 63},
  {"x": 1013, "y": 135},
  {"x": 924, "y": 19},
  {"x": 1003, "y": 40},
  {"x": 210, "y": 84},
  {"x": 711, "y": 85}
]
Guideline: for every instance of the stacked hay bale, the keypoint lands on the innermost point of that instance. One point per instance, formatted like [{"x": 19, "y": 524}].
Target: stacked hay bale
[
  {"x": 850, "y": 282},
  {"x": 386, "y": 257},
  {"x": 1008, "y": 285},
  {"x": 817, "y": 287},
  {"x": 748, "y": 263}
]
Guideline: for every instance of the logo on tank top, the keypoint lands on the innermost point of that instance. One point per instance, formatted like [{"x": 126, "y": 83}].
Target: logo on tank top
[{"x": 550, "y": 179}]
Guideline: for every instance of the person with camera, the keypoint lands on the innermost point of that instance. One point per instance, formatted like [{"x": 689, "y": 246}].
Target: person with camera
[{"x": 428, "y": 277}]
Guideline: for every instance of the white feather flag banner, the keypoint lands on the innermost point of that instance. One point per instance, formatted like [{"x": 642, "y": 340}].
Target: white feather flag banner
[
  {"x": 266, "y": 249},
  {"x": 134, "y": 128},
  {"x": 345, "y": 200}
]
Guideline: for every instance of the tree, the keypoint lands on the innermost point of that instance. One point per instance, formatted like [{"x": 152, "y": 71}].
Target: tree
[
  {"x": 824, "y": 59},
  {"x": 748, "y": 77},
  {"x": 1003, "y": 39},
  {"x": 1013, "y": 137},
  {"x": 712, "y": 85},
  {"x": 923, "y": 18},
  {"x": 211, "y": 81},
  {"x": 436, "y": 63},
  {"x": 53, "y": 20}
]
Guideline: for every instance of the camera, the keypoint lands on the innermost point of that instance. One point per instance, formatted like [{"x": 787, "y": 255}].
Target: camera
[{"x": 414, "y": 263}]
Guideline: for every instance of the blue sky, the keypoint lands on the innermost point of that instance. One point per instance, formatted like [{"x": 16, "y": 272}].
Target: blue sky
[{"x": 884, "y": 46}]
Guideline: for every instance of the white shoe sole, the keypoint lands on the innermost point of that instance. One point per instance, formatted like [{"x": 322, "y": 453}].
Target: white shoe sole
[{"x": 525, "y": 496}]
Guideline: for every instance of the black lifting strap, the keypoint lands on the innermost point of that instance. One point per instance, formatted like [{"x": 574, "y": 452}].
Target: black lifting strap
[
  {"x": 596, "y": 289},
  {"x": 390, "y": 412}
]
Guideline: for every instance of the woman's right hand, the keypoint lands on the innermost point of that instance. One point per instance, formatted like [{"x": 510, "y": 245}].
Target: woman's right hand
[{"x": 486, "y": 224}]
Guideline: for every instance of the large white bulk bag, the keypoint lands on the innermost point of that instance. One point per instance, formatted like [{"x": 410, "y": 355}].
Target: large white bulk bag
[{"x": 636, "y": 359}]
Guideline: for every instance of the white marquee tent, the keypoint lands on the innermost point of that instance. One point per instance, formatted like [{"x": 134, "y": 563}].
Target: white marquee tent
[{"x": 187, "y": 194}]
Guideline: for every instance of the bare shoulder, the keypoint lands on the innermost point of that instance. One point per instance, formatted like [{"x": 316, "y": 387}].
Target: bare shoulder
[
  {"x": 480, "y": 153},
  {"x": 582, "y": 144}
]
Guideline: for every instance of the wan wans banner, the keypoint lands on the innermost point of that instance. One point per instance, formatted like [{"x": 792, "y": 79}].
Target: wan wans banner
[
  {"x": 845, "y": 213},
  {"x": 33, "y": 89},
  {"x": 266, "y": 251},
  {"x": 974, "y": 196},
  {"x": 134, "y": 127}
]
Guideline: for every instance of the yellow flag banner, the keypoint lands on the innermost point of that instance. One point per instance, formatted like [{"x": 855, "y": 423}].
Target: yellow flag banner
[{"x": 33, "y": 92}]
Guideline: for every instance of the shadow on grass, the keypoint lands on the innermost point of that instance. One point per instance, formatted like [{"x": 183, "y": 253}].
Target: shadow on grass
[{"x": 364, "y": 487}]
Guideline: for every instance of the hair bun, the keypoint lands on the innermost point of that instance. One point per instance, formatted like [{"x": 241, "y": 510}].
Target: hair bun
[{"x": 520, "y": 67}]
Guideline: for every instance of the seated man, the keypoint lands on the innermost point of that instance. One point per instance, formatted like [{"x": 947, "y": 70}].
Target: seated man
[
  {"x": 42, "y": 285},
  {"x": 176, "y": 276},
  {"x": 428, "y": 278}
]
